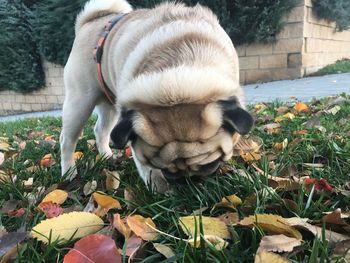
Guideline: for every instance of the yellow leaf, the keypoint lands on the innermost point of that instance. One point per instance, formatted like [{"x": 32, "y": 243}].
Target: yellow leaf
[
  {"x": 56, "y": 196},
  {"x": 217, "y": 242},
  {"x": 164, "y": 250},
  {"x": 278, "y": 243},
  {"x": 333, "y": 110},
  {"x": 272, "y": 224},
  {"x": 282, "y": 145},
  {"x": 90, "y": 187},
  {"x": 77, "y": 155},
  {"x": 4, "y": 146},
  {"x": 47, "y": 160},
  {"x": 112, "y": 179},
  {"x": 105, "y": 203},
  {"x": 244, "y": 145},
  {"x": 142, "y": 227},
  {"x": 63, "y": 227},
  {"x": 301, "y": 107},
  {"x": 289, "y": 115},
  {"x": 211, "y": 226},
  {"x": 250, "y": 156},
  {"x": 264, "y": 257},
  {"x": 4, "y": 177},
  {"x": 231, "y": 201},
  {"x": 260, "y": 108},
  {"x": 121, "y": 226}
]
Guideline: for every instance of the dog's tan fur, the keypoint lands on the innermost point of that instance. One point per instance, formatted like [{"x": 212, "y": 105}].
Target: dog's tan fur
[{"x": 170, "y": 64}]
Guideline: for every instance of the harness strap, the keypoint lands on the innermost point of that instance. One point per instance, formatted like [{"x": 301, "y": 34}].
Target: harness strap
[{"x": 98, "y": 52}]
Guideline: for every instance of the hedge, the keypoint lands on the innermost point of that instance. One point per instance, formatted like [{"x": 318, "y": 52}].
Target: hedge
[
  {"x": 20, "y": 67},
  {"x": 334, "y": 10}
]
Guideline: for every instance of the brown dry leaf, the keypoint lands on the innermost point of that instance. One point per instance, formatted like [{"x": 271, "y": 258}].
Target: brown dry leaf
[
  {"x": 258, "y": 108},
  {"x": 28, "y": 183},
  {"x": 314, "y": 165},
  {"x": 164, "y": 250},
  {"x": 56, "y": 196},
  {"x": 229, "y": 218},
  {"x": 301, "y": 107},
  {"x": 331, "y": 236},
  {"x": 282, "y": 109},
  {"x": 281, "y": 146},
  {"x": 4, "y": 177},
  {"x": 278, "y": 243},
  {"x": 272, "y": 128},
  {"x": 91, "y": 144},
  {"x": 112, "y": 179},
  {"x": 90, "y": 187},
  {"x": 47, "y": 161},
  {"x": 264, "y": 257},
  {"x": 231, "y": 201},
  {"x": 250, "y": 144},
  {"x": 105, "y": 203},
  {"x": 273, "y": 224},
  {"x": 342, "y": 249},
  {"x": 300, "y": 132},
  {"x": 142, "y": 227},
  {"x": 336, "y": 218},
  {"x": 121, "y": 226},
  {"x": 212, "y": 226},
  {"x": 250, "y": 156},
  {"x": 217, "y": 242}
]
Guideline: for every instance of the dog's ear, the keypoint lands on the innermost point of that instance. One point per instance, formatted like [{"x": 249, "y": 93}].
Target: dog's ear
[
  {"x": 123, "y": 131},
  {"x": 235, "y": 118}
]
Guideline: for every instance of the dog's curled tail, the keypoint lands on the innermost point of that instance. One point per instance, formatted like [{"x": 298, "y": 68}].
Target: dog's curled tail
[{"x": 97, "y": 8}]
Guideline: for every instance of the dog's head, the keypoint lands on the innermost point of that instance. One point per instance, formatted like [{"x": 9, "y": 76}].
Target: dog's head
[{"x": 185, "y": 139}]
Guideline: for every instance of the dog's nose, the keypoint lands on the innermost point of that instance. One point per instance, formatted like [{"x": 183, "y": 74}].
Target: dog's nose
[
  {"x": 209, "y": 168},
  {"x": 170, "y": 176}
]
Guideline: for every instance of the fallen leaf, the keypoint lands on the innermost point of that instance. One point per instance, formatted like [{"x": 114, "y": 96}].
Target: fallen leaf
[
  {"x": 93, "y": 248},
  {"x": 128, "y": 152},
  {"x": 273, "y": 224},
  {"x": 278, "y": 243},
  {"x": 4, "y": 145},
  {"x": 217, "y": 242},
  {"x": 90, "y": 187},
  {"x": 314, "y": 165},
  {"x": 121, "y": 226},
  {"x": 335, "y": 218},
  {"x": 231, "y": 201},
  {"x": 16, "y": 213},
  {"x": 142, "y": 227},
  {"x": 56, "y": 196},
  {"x": 282, "y": 145},
  {"x": 331, "y": 236},
  {"x": 105, "y": 203},
  {"x": 112, "y": 179},
  {"x": 229, "y": 218},
  {"x": 47, "y": 161},
  {"x": 212, "y": 226},
  {"x": 282, "y": 110},
  {"x": 2, "y": 158},
  {"x": 342, "y": 249},
  {"x": 272, "y": 128},
  {"x": 132, "y": 245},
  {"x": 333, "y": 110},
  {"x": 313, "y": 122},
  {"x": 258, "y": 108},
  {"x": 250, "y": 156},
  {"x": 78, "y": 155},
  {"x": 320, "y": 184},
  {"x": 50, "y": 209},
  {"x": 300, "y": 132},
  {"x": 250, "y": 144},
  {"x": 65, "y": 226},
  {"x": 301, "y": 107},
  {"x": 28, "y": 183},
  {"x": 264, "y": 257},
  {"x": 10, "y": 240},
  {"x": 164, "y": 250}
]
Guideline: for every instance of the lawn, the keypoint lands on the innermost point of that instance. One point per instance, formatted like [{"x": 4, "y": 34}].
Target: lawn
[
  {"x": 341, "y": 66},
  {"x": 298, "y": 167}
]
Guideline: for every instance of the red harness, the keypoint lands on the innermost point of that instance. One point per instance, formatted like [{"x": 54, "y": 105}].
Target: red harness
[{"x": 98, "y": 52}]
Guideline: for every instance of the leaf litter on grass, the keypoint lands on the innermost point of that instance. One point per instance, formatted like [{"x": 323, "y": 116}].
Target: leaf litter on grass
[{"x": 257, "y": 196}]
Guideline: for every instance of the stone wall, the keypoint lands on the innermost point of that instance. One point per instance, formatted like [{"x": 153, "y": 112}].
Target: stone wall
[
  {"x": 48, "y": 98},
  {"x": 305, "y": 45}
]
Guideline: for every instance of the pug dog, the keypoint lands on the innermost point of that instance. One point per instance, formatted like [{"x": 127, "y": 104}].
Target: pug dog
[{"x": 174, "y": 73}]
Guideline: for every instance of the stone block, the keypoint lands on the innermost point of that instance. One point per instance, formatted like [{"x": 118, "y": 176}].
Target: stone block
[
  {"x": 36, "y": 107},
  {"x": 242, "y": 76},
  {"x": 273, "y": 61},
  {"x": 249, "y": 62},
  {"x": 258, "y": 49},
  {"x": 294, "y": 60},
  {"x": 292, "y": 30},
  {"x": 287, "y": 73},
  {"x": 16, "y": 106},
  {"x": 51, "y": 99},
  {"x": 258, "y": 75},
  {"x": 19, "y": 98},
  {"x": 30, "y": 99},
  {"x": 26, "y": 107},
  {"x": 40, "y": 98},
  {"x": 293, "y": 45},
  {"x": 241, "y": 50},
  {"x": 297, "y": 14},
  {"x": 60, "y": 99},
  {"x": 7, "y": 106}
]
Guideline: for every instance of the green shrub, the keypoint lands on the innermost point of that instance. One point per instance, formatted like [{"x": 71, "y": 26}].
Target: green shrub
[
  {"x": 20, "y": 67},
  {"x": 246, "y": 21},
  {"x": 54, "y": 26},
  {"x": 334, "y": 10}
]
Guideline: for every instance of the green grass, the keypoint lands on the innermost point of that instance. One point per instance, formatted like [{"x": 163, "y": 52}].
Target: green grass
[
  {"x": 332, "y": 147},
  {"x": 341, "y": 66}
]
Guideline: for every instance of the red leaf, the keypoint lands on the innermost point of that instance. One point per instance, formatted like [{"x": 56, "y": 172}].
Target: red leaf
[
  {"x": 320, "y": 184},
  {"x": 16, "y": 213},
  {"x": 93, "y": 248},
  {"x": 50, "y": 209},
  {"x": 128, "y": 152},
  {"x": 133, "y": 244}
]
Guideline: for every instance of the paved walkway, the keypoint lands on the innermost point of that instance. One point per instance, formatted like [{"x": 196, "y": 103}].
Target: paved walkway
[{"x": 303, "y": 89}]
